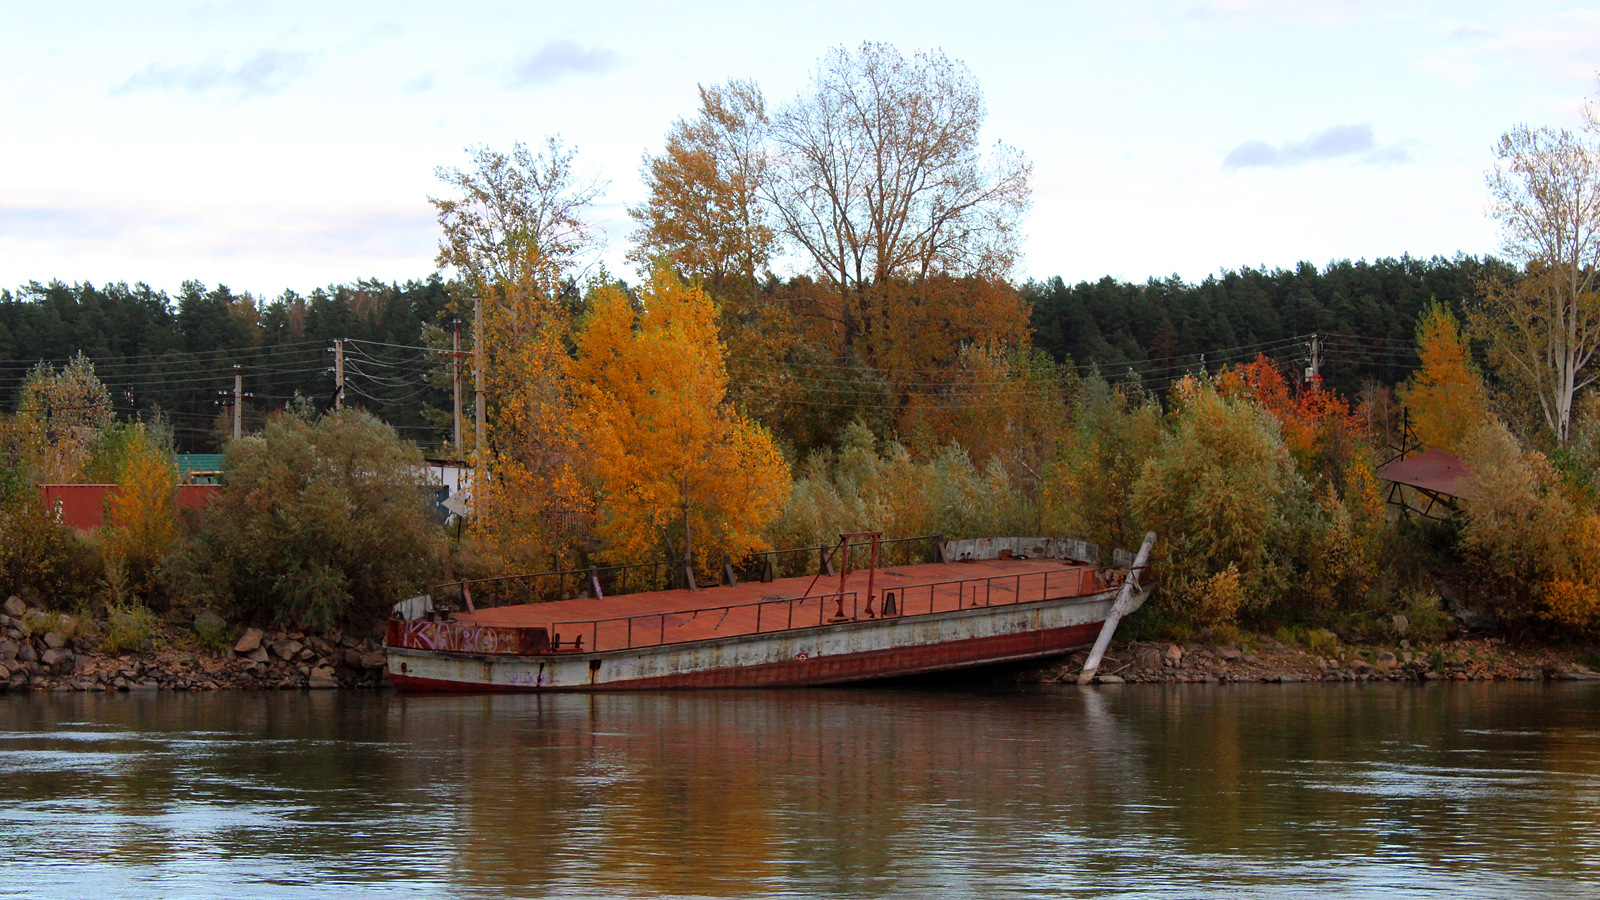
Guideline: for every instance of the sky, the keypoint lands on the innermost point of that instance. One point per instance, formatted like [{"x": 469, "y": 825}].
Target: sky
[{"x": 286, "y": 145}]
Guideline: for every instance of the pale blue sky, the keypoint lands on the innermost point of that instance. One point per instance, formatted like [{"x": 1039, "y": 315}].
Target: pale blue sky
[{"x": 290, "y": 145}]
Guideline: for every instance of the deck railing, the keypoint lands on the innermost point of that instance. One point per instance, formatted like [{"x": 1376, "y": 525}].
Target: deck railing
[
  {"x": 538, "y": 587},
  {"x": 816, "y": 610}
]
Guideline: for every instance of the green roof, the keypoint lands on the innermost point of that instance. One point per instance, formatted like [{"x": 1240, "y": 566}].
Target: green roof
[{"x": 189, "y": 463}]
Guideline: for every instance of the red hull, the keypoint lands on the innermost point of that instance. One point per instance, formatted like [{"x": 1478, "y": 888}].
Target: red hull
[{"x": 876, "y": 664}]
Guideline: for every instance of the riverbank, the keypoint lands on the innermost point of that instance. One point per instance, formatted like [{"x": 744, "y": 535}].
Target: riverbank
[
  {"x": 44, "y": 651},
  {"x": 1264, "y": 659}
]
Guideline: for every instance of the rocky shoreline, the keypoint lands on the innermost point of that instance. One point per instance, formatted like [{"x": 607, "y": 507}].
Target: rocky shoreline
[
  {"x": 35, "y": 658},
  {"x": 1261, "y": 659}
]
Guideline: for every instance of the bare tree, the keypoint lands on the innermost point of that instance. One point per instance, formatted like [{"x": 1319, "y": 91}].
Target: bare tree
[
  {"x": 705, "y": 214},
  {"x": 882, "y": 174},
  {"x": 1544, "y": 329},
  {"x": 518, "y": 215}
]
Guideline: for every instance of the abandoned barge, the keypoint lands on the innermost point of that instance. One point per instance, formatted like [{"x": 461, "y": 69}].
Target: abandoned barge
[{"x": 979, "y": 602}]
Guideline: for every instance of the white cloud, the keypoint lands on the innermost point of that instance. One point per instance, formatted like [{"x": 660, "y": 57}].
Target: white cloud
[
  {"x": 1331, "y": 143},
  {"x": 558, "y": 59},
  {"x": 419, "y": 85},
  {"x": 1559, "y": 46},
  {"x": 261, "y": 74}
]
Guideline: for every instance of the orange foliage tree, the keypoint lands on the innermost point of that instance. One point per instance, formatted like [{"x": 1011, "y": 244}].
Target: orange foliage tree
[
  {"x": 1331, "y": 447},
  {"x": 1324, "y": 434},
  {"x": 676, "y": 470},
  {"x": 531, "y": 507},
  {"x": 704, "y": 214}
]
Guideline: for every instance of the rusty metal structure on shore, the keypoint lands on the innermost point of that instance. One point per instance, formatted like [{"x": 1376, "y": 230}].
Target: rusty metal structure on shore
[{"x": 973, "y": 602}]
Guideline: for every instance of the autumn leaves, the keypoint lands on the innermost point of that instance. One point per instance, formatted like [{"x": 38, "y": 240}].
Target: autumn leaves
[
  {"x": 612, "y": 432},
  {"x": 675, "y": 467}
]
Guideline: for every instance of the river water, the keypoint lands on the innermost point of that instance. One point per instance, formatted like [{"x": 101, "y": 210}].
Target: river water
[{"x": 1456, "y": 790}]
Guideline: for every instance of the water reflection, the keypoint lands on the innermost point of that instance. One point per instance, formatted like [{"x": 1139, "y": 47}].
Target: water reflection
[{"x": 1273, "y": 791}]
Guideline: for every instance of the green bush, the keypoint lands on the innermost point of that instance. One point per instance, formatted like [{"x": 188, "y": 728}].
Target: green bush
[
  {"x": 1088, "y": 492},
  {"x": 321, "y": 523},
  {"x": 51, "y": 622},
  {"x": 1222, "y": 494},
  {"x": 212, "y": 630},
  {"x": 1427, "y": 619},
  {"x": 40, "y": 557},
  {"x": 128, "y": 628},
  {"x": 865, "y": 487}
]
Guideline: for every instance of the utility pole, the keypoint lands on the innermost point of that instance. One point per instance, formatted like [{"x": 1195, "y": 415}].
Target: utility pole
[
  {"x": 477, "y": 365},
  {"x": 338, "y": 373},
  {"x": 455, "y": 382},
  {"x": 238, "y": 402},
  {"x": 1314, "y": 361}
]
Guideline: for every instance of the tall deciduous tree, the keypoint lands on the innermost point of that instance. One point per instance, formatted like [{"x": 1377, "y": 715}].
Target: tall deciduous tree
[
  {"x": 60, "y": 416},
  {"x": 517, "y": 213},
  {"x": 1544, "y": 329},
  {"x": 677, "y": 470},
  {"x": 882, "y": 174},
  {"x": 705, "y": 214},
  {"x": 531, "y": 505},
  {"x": 517, "y": 234}
]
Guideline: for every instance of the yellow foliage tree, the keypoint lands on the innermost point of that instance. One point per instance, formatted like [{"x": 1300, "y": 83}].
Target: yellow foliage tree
[
  {"x": 705, "y": 214},
  {"x": 143, "y": 520},
  {"x": 1446, "y": 397},
  {"x": 1572, "y": 598},
  {"x": 676, "y": 469},
  {"x": 1528, "y": 542}
]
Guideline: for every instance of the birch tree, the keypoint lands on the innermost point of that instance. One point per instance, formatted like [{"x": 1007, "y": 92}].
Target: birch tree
[
  {"x": 515, "y": 214},
  {"x": 1544, "y": 328}
]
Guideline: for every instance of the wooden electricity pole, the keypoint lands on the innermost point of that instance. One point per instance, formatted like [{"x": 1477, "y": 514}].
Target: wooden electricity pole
[
  {"x": 338, "y": 373},
  {"x": 455, "y": 384},
  {"x": 1314, "y": 361},
  {"x": 477, "y": 365},
  {"x": 238, "y": 402}
]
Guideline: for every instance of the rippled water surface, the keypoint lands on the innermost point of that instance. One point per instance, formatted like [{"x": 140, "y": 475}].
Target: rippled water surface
[{"x": 1465, "y": 790}]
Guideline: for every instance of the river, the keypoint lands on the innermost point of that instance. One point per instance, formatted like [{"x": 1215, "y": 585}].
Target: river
[{"x": 1366, "y": 790}]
